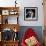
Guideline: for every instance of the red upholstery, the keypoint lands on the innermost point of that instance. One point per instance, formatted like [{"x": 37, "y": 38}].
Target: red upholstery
[{"x": 29, "y": 33}]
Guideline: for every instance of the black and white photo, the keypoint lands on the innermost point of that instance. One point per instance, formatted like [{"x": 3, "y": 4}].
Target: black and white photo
[{"x": 30, "y": 13}]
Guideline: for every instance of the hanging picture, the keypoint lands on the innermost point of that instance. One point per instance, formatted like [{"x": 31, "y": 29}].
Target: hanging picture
[
  {"x": 30, "y": 13},
  {"x": 5, "y": 12}
]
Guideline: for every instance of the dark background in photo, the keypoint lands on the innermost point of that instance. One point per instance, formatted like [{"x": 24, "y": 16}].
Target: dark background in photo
[{"x": 28, "y": 13}]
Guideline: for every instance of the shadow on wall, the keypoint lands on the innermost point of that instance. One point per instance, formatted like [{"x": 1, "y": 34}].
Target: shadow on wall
[{"x": 37, "y": 29}]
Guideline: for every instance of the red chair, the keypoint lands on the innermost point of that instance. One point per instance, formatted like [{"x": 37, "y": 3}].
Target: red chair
[{"x": 29, "y": 33}]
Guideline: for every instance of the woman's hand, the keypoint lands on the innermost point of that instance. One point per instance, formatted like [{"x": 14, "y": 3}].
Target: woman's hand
[{"x": 32, "y": 41}]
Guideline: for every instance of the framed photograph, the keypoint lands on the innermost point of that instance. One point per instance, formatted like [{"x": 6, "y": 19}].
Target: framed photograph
[
  {"x": 5, "y": 12},
  {"x": 12, "y": 12},
  {"x": 30, "y": 13}
]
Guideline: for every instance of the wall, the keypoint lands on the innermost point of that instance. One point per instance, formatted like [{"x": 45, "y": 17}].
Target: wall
[
  {"x": 26, "y": 3},
  {"x": 31, "y": 3}
]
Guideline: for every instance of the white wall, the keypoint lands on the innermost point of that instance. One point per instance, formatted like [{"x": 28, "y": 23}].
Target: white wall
[
  {"x": 26, "y": 3},
  {"x": 31, "y": 3}
]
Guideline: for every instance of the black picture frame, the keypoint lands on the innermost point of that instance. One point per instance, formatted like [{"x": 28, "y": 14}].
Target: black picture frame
[{"x": 30, "y": 13}]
